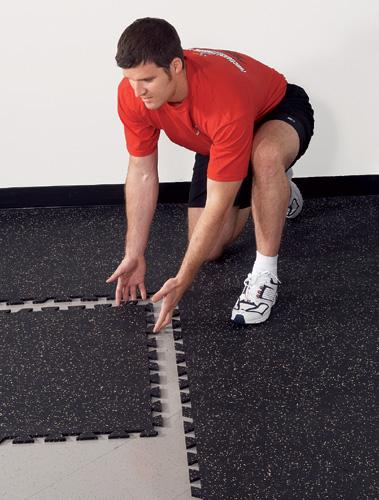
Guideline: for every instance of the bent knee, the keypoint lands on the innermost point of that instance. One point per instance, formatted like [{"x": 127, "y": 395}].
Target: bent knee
[
  {"x": 267, "y": 160},
  {"x": 215, "y": 254}
]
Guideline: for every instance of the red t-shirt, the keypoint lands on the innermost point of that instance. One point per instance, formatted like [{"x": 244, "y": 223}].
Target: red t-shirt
[{"x": 228, "y": 93}]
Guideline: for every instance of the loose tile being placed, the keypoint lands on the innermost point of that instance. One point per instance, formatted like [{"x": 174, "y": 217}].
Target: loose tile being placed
[{"x": 75, "y": 372}]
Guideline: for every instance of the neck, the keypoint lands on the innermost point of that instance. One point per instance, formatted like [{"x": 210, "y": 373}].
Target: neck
[{"x": 181, "y": 90}]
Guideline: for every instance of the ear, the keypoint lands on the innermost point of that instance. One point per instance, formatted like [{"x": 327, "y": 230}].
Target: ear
[{"x": 176, "y": 65}]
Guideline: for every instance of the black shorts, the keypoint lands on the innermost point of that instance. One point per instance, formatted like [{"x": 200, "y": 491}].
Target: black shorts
[{"x": 294, "y": 109}]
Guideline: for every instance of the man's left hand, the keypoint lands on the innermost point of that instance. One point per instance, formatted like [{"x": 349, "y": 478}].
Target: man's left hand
[{"x": 171, "y": 293}]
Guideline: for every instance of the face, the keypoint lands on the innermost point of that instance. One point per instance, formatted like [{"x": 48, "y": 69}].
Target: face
[{"x": 152, "y": 84}]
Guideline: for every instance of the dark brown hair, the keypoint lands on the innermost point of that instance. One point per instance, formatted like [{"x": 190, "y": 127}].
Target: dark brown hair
[{"x": 149, "y": 40}]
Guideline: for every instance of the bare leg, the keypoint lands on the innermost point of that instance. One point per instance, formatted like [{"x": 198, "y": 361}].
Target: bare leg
[
  {"x": 234, "y": 223},
  {"x": 275, "y": 146}
]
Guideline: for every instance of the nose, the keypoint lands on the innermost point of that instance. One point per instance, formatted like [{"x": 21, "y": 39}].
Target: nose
[{"x": 139, "y": 89}]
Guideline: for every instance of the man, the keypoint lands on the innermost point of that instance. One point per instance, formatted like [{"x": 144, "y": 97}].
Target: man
[{"x": 244, "y": 122}]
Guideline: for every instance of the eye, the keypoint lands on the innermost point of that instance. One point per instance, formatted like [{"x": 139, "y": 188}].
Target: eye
[{"x": 148, "y": 80}]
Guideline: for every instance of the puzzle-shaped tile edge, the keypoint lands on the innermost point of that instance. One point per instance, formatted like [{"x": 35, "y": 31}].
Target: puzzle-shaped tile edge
[
  {"x": 57, "y": 299},
  {"x": 66, "y": 298},
  {"x": 188, "y": 425}
]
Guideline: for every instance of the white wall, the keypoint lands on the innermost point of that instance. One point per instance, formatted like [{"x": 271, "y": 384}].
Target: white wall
[{"x": 58, "y": 81}]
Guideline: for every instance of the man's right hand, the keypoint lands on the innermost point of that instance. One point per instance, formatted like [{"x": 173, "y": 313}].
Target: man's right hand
[{"x": 130, "y": 276}]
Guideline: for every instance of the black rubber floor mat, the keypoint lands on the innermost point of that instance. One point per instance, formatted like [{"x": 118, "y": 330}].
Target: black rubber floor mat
[
  {"x": 287, "y": 409},
  {"x": 70, "y": 252},
  {"x": 74, "y": 372}
]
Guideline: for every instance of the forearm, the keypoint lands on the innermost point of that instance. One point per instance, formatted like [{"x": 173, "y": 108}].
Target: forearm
[
  {"x": 141, "y": 194},
  {"x": 202, "y": 242}
]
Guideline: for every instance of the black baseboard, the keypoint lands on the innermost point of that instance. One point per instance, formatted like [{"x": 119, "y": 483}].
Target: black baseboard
[{"x": 170, "y": 192}]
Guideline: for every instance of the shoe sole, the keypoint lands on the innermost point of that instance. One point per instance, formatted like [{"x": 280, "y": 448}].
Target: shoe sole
[
  {"x": 295, "y": 197},
  {"x": 240, "y": 320}
]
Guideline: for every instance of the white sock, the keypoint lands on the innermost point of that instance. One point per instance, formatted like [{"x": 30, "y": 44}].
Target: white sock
[{"x": 263, "y": 263}]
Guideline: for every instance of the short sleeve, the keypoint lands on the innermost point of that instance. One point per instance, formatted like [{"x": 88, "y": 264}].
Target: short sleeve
[
  {"x": 141, "y": 137},
  {"x": 231, "y": 151}
]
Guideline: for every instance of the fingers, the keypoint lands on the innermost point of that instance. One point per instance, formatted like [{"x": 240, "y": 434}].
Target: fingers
[
  {"x": 163, "y": 320},
  {"x": 118, "y": 293},
  {"x": 115, "y": 275},
  {"x": 127, "y": 284},
  {"x": 157, "y": 296},
  {"x": 170, "y": 298},
  {"x": 124, "y": 292},
  {"x": 133, "y": 292},
  {"x": 166, "y": 288},
  {"x": 142, "y": 290},
  {"x": 122, "y": 269}
]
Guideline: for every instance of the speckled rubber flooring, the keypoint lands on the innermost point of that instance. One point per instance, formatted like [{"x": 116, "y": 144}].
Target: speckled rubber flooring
[
  {"x": 283, "y": 410},
  {"x": 60, "y": 253},
  {"x": 74, "y": 372},
  {"x": 287, "y": 409}
]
